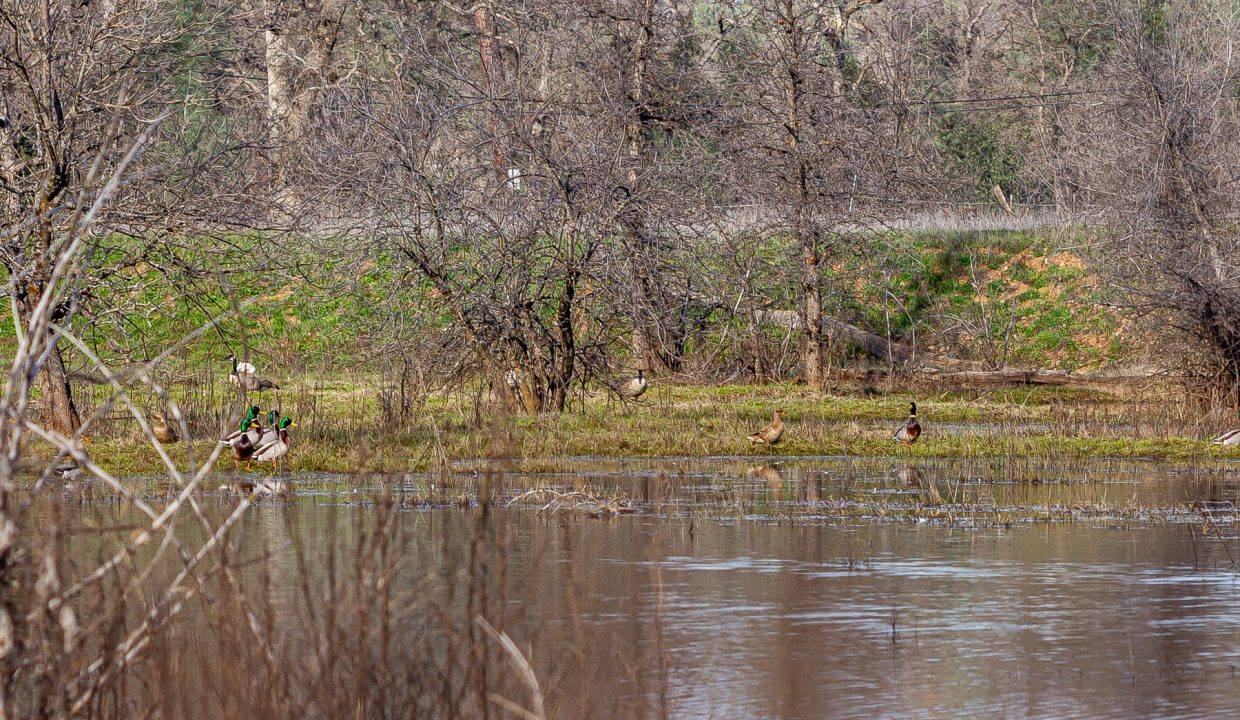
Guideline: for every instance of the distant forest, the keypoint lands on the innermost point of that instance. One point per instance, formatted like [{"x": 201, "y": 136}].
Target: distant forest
[{"x": 549, "y": 194}]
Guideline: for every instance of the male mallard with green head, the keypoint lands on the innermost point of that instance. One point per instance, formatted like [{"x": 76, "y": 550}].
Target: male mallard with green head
[
  {"x": 272, "y": 450},
  {"x": 273, "y": 426},
  {"x": 910, "y": 430},
  {"x": 245, "y": 446},
  {"x": 244, "y": 441},
  {"x": 251, "y": 416}
]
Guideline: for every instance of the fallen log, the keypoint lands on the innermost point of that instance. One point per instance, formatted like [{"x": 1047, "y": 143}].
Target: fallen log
[
  {"x": 1009, "y": 377},
  {"x": 872, "y": 343},
  {"x": 1003, "y": 377},
  {"x": 947, "y": 370}
]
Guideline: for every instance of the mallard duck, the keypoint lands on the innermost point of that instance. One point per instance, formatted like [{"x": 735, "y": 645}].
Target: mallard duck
[
  {"x": 243, "y": 376},
  {"x": 771, "y": 434},
  {"x": 244, "y": 447},
  {"x": 262, "y": 488},
  {"x": 70, "y": 470},
  {"x": 246, "y": 444},
  {"x": 276, "y": 448},
  {"x": 1231, "y": 437},
  {"x": 164, "y": 432},
  {"x": 635, "y": 387},
  {"x": 251, "y": 416},
  {"x": 268, "y": 433},
  {"x": 910, "y": 430}
]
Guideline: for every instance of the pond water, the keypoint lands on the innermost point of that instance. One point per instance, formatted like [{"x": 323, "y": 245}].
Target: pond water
[{"x": 732, "y": 593}]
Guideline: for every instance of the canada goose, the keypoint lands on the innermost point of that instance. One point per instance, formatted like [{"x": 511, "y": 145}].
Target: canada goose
[
  {"x": 242, "y": 368},
  {"x": 910, "y": 430},
  {"x": 635, "y": 387},
  {"x": 771, "y": 434},
  {"x": 243, "y": 376},
  {"x": 164, "y": 432},
  {"x": 1231, "y": 437},
  {"x": 272, "y": 450}
]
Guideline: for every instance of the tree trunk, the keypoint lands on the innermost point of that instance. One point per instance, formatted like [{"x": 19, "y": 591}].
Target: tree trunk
[
  {"x": 558, "y": 397},
  {"x": 804, "y": 226},
  {"x": 61, "y": 411},
  {"x": 811, "y": 288},
  {"x": 494, "y": 82},
  {"x": 282, "y": 120},
  {"x": 289, "y": 102},
  {"x": 755, "y": 350},
  {"x": 645, "y": 311},
  {"x": 837, "y": 36}
]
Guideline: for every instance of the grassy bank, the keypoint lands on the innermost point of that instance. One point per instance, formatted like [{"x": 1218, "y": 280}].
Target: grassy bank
[
  {"x": 340, "y": 427},
  {"x": 1016, "y": 296}
]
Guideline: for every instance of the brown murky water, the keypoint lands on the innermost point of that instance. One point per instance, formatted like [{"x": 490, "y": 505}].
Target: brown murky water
[{"x": 786, "y": 609}]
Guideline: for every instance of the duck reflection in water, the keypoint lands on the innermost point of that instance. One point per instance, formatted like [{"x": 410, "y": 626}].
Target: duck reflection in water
[{"x": 769, "y": 474}]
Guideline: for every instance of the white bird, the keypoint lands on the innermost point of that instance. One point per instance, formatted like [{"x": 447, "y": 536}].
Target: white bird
[
  {"x": 1231, "y": 437},
  {"x": 243, "y": 376},
  {"x": 635, "y": 387}
]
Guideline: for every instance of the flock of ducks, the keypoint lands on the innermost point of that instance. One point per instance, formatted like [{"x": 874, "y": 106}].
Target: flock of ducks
[
  {"x": 253, "y": 442},
  {"x": 906, "y": 434},
  {"x": 250, "y": 443}
]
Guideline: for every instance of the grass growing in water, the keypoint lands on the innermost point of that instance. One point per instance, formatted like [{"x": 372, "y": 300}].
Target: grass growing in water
[{"x": 341, "y": 426}]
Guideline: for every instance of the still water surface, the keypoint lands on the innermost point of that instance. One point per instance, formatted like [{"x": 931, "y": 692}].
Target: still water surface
[{"x": 763, "y": 616}]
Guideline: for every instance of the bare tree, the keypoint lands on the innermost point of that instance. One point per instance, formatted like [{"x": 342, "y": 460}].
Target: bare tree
[
  {"x": 104, "y": 154},
  {"x": 1169, "y": 172},
  {"x": 78, "y": 83},
  {"x": 801, "y": 145},
  {"x": 300, "y": 55}
]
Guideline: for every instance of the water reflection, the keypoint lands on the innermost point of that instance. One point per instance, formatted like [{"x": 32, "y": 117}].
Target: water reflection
[
  {"x": 766, "y": 611},
  {"x": 975, "y": 491}
]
